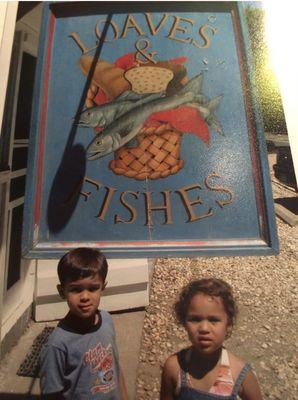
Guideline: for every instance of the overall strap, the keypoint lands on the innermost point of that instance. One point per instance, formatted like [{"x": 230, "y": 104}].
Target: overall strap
[
  {"x": 225, "y": 357},
  {"x": 240, "y": 378},
  {"x": 183, "y": 378},
  {"x": 183, "y": 374}
]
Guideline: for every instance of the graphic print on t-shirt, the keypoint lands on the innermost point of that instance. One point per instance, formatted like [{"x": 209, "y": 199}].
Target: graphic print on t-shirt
[{"x": 100, "y": 361}]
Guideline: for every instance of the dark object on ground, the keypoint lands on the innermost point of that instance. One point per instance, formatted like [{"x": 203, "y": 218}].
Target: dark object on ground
[
  {"x": 30, "y": 365},
  {"x": 284, "y": 168},
  {"x": 291, "y": 203}
]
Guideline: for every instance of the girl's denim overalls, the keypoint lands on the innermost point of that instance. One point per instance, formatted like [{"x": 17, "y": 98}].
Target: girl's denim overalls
[{"x": 188, "y": 393}]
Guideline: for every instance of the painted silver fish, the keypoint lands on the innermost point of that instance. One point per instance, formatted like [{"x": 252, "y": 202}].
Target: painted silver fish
[
  {"x": 125, "y": 128},
  {"x": 103, "y": 115},
  {"x": 207, "y": 110}
]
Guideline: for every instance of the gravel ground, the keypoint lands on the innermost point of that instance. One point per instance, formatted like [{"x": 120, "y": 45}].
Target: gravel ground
[{"x": 266, "y": 329}]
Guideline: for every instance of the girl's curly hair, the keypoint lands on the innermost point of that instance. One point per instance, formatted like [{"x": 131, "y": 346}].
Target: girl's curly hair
[{"x": 211, "y": 287}]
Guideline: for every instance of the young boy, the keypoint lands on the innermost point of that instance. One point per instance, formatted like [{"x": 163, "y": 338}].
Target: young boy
[{"x": 80, "y": 360}]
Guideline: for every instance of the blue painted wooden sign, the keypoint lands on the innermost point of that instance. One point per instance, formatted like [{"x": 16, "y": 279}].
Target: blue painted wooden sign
[{"x": 146, "y": 139}]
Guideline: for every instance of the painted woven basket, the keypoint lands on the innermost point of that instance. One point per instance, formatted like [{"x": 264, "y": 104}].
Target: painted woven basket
[{"x": 156, "y": 156}]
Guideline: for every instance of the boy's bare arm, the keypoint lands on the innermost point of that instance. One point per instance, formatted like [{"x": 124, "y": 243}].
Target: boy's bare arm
[{"x": 122, "y": 386}]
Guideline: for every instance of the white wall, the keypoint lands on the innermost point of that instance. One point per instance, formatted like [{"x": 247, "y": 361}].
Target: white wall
[
  {"x": 20, "y": 298},
  {"x": 8, "y": 12},
  {"x": 127, "y": 288}
]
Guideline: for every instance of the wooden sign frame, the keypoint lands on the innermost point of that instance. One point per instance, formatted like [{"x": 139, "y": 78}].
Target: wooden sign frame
[{"x": 213, "y": 197}]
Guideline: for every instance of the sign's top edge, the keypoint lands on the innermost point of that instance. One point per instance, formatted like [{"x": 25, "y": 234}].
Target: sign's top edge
[{"x": 68, "y": 9}]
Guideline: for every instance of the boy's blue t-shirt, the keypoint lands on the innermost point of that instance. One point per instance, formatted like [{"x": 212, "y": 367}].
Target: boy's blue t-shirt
[{"x": 81, "y": 366}]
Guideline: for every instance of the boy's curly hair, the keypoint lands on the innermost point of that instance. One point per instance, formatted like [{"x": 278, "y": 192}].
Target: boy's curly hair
[{"x": 211, "y": 287}]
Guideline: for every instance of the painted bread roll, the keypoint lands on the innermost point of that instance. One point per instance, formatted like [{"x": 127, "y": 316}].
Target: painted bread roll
[{"x": 150, "y": 79}]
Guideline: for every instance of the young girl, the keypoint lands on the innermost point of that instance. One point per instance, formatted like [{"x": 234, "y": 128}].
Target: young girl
[{"x": 206, "y": 370}]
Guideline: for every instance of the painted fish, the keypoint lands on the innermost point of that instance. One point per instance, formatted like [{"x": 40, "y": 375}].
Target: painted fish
[
  {"x": 125, "y": 128},
  {"x": 103, "y": 115},
  {"x": 207, "y": 111}
]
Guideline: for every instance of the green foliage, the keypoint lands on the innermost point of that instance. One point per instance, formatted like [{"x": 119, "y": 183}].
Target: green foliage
[{"x": 266, "y": 83}]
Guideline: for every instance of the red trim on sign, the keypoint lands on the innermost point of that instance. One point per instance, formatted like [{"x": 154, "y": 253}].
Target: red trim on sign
[
  {"x": 43, "y": 120},
  {"x": 251, "y": 129}
]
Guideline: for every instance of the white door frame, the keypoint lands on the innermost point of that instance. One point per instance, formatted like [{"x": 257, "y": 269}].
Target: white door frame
[
  {"x": 8, "y": 13},
  {"x": 15, "y": 300}
]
